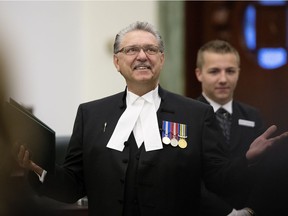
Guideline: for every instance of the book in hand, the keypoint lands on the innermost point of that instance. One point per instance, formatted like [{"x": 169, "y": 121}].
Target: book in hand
[{"x": 26, "y": 129}]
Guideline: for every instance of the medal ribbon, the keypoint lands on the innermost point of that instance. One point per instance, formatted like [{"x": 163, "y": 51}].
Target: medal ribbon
[
  {"x": 166, "y": 128},
  {"x": 183, "y": 131},
  {"x": 175, "y": 129}
]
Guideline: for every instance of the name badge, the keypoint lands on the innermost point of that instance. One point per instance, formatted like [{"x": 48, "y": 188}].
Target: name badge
[{"x": 246, "y": 123}]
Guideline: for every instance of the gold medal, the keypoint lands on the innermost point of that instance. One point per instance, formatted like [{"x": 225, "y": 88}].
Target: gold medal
[
  {"x": 182, "y": 143},
  {"x": 183, "y": 135}
]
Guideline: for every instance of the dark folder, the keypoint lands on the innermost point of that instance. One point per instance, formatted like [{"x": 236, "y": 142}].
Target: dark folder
[{"x": 27, "y": 129}]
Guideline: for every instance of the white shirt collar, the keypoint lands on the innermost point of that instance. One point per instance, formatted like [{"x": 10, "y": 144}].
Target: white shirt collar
[
  {"x": 216, "y": 106},
  {"x": 152, "y": 97}
]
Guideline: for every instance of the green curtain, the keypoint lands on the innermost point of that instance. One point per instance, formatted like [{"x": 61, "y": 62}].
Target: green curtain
[{"x": 171, "y": 27}]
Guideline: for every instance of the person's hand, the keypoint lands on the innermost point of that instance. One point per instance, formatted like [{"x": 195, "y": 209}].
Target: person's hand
[
  {"x": 242, "y": 212},
  {"x": 25, "y": 162},
  {"x": 263, "y": 142}
]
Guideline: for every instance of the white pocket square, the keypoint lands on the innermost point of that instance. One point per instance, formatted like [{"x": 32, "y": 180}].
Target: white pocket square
[{"x": 246, "y": 123}]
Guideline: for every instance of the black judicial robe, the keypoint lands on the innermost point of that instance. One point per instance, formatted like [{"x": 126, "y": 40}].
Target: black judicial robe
[{"x": 167, "y": 181}]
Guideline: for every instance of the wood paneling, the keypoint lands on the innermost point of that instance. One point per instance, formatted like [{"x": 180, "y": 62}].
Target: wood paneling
[
  {"x": 264, "y": 89},
  {"x": 271, "y": 26}
]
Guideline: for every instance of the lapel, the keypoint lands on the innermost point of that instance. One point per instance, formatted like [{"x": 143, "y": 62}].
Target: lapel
[
  {"x": 116, "y": 108},
  {"x": 202, "y": 99},
  {"x": 236, "y": 131},
  {"x": 166, "y": 110},
  {"x": 115, "y": 112}
]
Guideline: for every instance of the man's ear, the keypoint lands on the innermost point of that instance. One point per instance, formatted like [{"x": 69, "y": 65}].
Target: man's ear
[
  {"x": 162, "y": 59},
  {"x": 116, "y": 62},
  {"x": 198, "y": 74}
]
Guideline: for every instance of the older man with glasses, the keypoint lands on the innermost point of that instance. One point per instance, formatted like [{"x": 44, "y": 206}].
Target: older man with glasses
[{"x": 145, "y": 150}]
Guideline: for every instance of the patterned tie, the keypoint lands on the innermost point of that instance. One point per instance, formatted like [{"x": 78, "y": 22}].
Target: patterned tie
[{"x": 224, "y": 119}]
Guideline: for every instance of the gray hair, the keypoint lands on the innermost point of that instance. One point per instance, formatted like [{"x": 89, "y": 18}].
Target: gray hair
[
  {"x": 216, "y": 46},
  {"x": 143, "y": 26}
]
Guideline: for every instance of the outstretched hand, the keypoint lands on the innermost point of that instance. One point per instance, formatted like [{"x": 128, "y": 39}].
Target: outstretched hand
[
  {"x": 25, "y": 162},
  {"x": 263, "y": 142}
]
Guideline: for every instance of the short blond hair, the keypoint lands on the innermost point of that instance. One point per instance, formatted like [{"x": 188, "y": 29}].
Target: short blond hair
[{"x": 216, "y": 46}]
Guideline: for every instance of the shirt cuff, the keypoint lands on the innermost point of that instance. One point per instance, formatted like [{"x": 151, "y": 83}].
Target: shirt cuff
[{"x": 42, "y": 177}]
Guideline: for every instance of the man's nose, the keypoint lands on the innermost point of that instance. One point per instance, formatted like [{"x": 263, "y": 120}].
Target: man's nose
[
  {"x": 223, "y": 76},
  {"x": 141, "y": 54}
]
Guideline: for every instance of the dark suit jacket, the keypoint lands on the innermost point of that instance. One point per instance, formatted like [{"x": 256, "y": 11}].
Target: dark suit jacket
[
  {"x": 270, "y": 194},
  {"x": 240, "y": 139},
  {"x": 168, "y": 180}
]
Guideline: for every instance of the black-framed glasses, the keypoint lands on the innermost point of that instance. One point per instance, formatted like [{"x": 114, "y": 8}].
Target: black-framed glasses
[{"x": 134, "y": 50}]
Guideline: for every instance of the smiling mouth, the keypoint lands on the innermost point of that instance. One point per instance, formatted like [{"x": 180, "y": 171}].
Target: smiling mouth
[{"x": 142, "y": 67}]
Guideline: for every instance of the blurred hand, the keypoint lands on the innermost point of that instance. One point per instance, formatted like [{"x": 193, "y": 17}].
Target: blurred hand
[
  {"x": 263, "y": 142},
  {"x": 241, "y": 212},
  {"x": 25, "y": 162}
]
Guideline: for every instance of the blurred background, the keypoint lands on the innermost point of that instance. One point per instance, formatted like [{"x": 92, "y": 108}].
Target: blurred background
[{"x": 60, "y": 52}]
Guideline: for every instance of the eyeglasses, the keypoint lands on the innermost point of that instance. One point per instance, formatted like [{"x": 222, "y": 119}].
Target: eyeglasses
[{"x": 133, "y": 50}]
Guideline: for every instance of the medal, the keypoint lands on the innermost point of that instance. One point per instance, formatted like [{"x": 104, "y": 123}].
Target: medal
[
  {"x": 182, "y": 143},
  {"x": 165, "y": 133},
  {"x": 182, "y": 134},
  {"x": 174, "y": 134},
  {"x": 166, "y": 140},
  {"x": 174, "y": 141}
]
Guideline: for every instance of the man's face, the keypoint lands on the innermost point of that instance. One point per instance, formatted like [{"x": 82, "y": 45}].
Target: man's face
[
  {"x": 219, "y": 75},
  {"x": 141, "y": 68}
]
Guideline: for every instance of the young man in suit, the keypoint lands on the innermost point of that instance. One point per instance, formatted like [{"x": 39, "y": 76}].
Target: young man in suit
[
  {"x": 145, "y": 150},
  {"x": 218, "y": 69}
]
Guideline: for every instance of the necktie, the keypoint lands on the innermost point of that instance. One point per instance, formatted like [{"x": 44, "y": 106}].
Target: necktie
[
  {"x": 149, "y": 124},
  {"x": 139, "y": 117},
  {"x": 125, "y": 125},
  {"x": 224, "y": 119}
]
